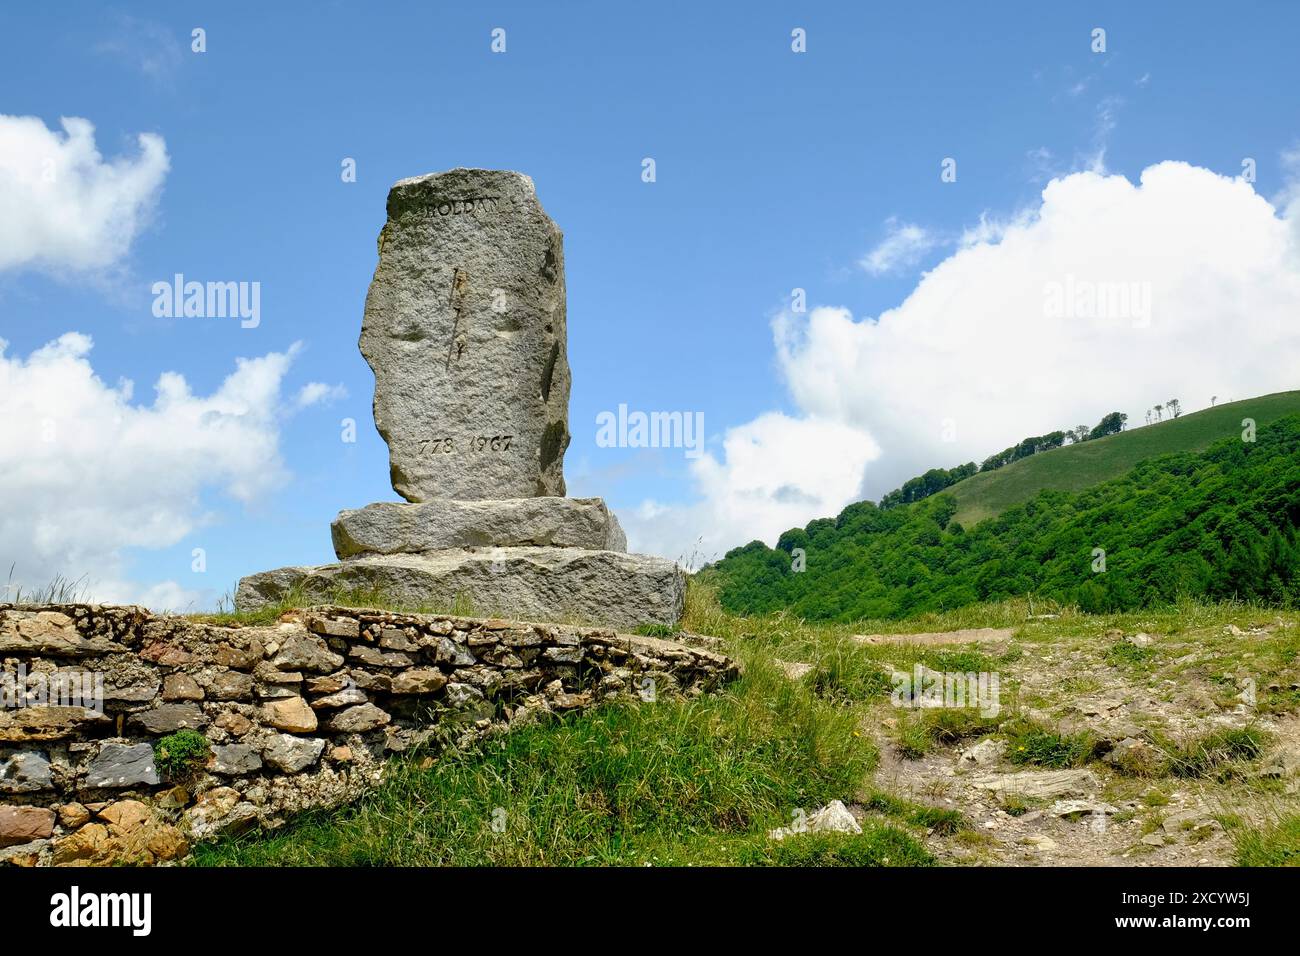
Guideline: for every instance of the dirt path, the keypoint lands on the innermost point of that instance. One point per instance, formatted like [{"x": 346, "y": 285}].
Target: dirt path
[{"x": 970, "y": 635}]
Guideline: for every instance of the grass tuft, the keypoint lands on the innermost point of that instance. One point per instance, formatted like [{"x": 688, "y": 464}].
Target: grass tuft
[
  {"x": 61, "y": 590},
  {"x": 919, "y": 732},
  {"x": 1218, "y": 753},
  {"x": 1031, "y": 743},
  {"x": 939, "y": 819},
  {"x": 1276, "y": 844}
]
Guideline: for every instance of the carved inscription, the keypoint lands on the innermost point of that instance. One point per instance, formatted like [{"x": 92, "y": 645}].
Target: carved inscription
[
  {"x": 459, "y": 285},
  {"x": 474, "y": 206},
  {"x": 473, "y": 444}
]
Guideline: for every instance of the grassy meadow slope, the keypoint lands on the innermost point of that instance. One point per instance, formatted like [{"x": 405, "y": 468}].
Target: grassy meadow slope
[{"x": 1075, "y": 467}]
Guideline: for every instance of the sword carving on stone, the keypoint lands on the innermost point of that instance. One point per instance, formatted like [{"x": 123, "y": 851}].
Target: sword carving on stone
[{"x": 459, "y": 285}]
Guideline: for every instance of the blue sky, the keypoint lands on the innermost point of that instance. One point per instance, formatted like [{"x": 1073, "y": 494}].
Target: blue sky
[{"x": 775, "y": 170}]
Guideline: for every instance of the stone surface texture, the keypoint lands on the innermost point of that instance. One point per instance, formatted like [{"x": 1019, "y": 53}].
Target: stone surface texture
[
  {"x": 547, "y": 584},
  {"x": 310, "y": 707},
  {"x": 400, "y": 528},
  {"x": 465, "y": 331}
]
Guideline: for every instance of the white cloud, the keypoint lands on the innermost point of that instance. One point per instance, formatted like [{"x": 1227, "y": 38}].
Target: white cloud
[
  {"x": 991, "y": 228},
  {"x": 1288, "y": 198},
  {"x": 902, "y": 247},
  {"x": 86, "y": 475},
  {"x": 976, "y": 346},
  {"x": 62, "y": 206},
  {"x": 776, "y": 472},
  {"x": 318, "y": 393}
]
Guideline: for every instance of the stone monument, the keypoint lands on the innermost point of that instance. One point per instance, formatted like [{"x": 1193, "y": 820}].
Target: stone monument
[{"x": 465, "y": 331}]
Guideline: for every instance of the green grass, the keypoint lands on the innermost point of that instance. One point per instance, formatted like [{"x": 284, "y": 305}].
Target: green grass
[
  {"x": 939, "y": 819},
  {"x": 846, "y": 677},
  {"x": 1127, "y": 653},
  {"x": 61, "y": 590},
  {"x": 1218, "y": 753},
  {"x": 697, "y": 782},
  {"x": 920, "y": 731},
  {"x": 181, "y": 755},
  {"x": 1031, "y": 743},
  {"x": 687, "y": 781},
  {"x": 1075, "y": 467},
  {"x": 1277, "y": 844}
]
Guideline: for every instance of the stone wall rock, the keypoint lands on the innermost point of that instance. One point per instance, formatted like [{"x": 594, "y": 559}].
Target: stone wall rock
[{"x": 297, "y": 714}]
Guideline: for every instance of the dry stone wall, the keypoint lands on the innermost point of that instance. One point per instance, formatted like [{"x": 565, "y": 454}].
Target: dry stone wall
[{"x": 296, "y": 714}]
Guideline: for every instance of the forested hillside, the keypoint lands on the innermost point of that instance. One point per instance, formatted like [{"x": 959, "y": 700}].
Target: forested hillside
[
  {"x": 1082, "y": 464},
  {"x": 1220, "y": 523}
]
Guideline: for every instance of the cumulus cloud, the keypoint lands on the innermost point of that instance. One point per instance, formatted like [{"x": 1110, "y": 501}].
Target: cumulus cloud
[
  {"x": 62, "y": 205},
  {"x": 87, "y": 475},
  {"x": 982, "y": 344},
  {"x": 902, "y": 247},
  {"x": 775, "y": 472},
  {"x": 1028, "y": 326}
]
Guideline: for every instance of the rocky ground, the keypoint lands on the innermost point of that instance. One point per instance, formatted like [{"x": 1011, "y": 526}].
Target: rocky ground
[
  {"x": 1072, "y": 823},
  {"x": 1136, "y": 696}
]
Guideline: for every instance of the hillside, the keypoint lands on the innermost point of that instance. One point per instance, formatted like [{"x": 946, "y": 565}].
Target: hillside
[
  {"x": 1220, "y": 523},
  {"x": 1075, "y": 467}
]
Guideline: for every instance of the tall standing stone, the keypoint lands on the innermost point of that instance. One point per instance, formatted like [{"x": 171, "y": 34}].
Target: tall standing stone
[{"x": 465, "y": 331}]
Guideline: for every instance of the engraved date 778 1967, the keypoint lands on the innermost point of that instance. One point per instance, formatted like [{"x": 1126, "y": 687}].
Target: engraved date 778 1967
[{"x": 445, "y": 446}]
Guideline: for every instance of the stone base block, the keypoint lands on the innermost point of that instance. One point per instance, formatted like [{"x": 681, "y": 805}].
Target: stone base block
[
  {"x": 401, "y": 528},
  {"x": 567, "y": 585}
]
